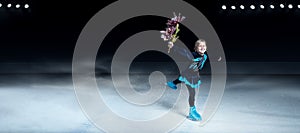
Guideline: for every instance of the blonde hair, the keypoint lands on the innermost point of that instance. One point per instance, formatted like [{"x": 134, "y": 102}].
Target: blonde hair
[{"x": 197, "y": 43}]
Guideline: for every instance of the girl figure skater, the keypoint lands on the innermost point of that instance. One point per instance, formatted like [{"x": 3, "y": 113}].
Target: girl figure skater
[{"x": 190, "y": 76}]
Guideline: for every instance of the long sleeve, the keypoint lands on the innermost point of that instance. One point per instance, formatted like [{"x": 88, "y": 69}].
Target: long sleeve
[{"x": 184, "y": 52}]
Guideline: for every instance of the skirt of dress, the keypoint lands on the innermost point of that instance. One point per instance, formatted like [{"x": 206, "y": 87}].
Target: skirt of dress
[{"x": 190, "y": 78}]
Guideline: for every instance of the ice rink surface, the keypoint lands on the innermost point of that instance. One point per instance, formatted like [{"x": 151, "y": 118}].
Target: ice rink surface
[{"x": 251, "y": 104}]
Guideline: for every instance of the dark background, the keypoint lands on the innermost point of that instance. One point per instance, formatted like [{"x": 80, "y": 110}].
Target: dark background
[{"x": 47, "y": 32}]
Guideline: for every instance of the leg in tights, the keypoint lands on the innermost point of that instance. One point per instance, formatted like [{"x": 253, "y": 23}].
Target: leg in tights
[
  {"x": 192, "y": 93},
  {"x": 176, "y": 81}
]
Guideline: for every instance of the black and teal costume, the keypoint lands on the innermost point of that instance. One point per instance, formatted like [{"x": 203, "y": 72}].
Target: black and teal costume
[{"x": 190, "y": 76}]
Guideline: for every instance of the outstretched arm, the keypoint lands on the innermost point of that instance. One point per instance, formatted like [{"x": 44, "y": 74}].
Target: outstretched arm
[{"x": 182, "y": 51}]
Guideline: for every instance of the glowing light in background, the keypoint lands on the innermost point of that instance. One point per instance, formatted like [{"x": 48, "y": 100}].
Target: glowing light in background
[
  {"x": 8, "y": 5},
  {"x": 26, "y": 6},
  {"x": 233, "y": 7},
  {"x": 263, "y": 6},
  {"x": 224, "y": 7},
  {"x": 242, "y": 7},
  {"x": 18, "y": 6}
]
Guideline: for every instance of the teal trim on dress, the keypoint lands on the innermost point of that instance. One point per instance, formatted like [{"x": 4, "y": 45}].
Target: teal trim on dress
[
  {"x": 205, "y": 57},
  {"x": 195, "y": 86}
]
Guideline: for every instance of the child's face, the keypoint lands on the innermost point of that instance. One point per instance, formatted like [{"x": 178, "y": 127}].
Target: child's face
[{"x": 201, "y": 48}]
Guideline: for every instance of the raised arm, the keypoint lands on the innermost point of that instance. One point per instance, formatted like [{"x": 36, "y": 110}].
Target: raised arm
[{"x": 183, "y": 52}]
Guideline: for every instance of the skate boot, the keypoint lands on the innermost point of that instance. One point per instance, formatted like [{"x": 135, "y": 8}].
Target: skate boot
[
  {"x": 194, "y": 115},
  {"x": 172, "y": 85}
]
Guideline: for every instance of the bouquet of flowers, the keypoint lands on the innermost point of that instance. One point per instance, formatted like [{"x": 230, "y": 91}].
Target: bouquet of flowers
[{"x": 170, "y": 34}]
